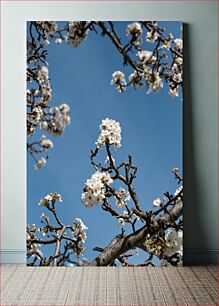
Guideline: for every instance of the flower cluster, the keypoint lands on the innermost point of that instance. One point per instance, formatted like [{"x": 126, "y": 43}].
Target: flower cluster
[
  {"x": 37, "y": 99},
  {"x": 152, "y": 78},
  {"x": 121, "y": 197},
  {"x": 52, "y": 197},
  {"x": 35, "y": 117},
  {"x": 118, "y": 79},
  {"x": 78, "y": 32},
  {"x": 110, "y": 133},
  {"x": 79, "y": 230},
  {"x": 165, "y": 247},
  {"x": 39, "y": 113},
  {"x": 179, "y": 43},
  {"x": 45, "y": 94},
  {"x": 32, "y": 248},
  {"x": 58, "y": 121},
  {"x": 48, "y": 27},
  {"x": 134, "y": 29},
  {"x": 43, "y": 230},
  {"x": 176, "y": 77},
  {"x": 153, "y": 35},
  {"x": 154, "y": 244},
  {"x": 43, "y": 74},
  {"x": 154, "y": 81},
  {"x": 174, "y": 242},
  {"x": 150, "y": 68},
  {"x": 94, "y": 188}
]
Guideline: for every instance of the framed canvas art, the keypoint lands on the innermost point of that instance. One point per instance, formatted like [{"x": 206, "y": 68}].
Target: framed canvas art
[{"x": 104, "y": 143}]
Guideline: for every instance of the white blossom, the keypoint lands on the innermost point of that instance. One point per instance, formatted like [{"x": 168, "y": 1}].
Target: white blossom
[
  {"x": 179, "y": 43},
  {"x": 154, "y": 81},
  {"x": 134, "y": 29},
  {"x": 178, "y": 60},
  {"x": 177, "y": 77},
  {"x": 121, "y": 221},
  {"x": 44, "y": 125},
  {"x": 118, "y": 79},
  {"x": 170, "y": 36},
  {"x": 157, "y": 202},
  {"x": 50, "y": 197},
  {"x": 166, "y": 45},
  {"x": 133, "y": 76},
  {"x": 46, "y": 143},
  {"x": 48, "y": 27},
  {"x": 122, "y": 197},
  {"x": 135, "y": 79},
  {"x": 43, "y": 74},
  {"x": 78, "y": 32},
  {"x": 94, "y": 189},
  {"x": 106, "y": 178},
  {"x": 46, "y": 93},
  {"x": 88, "y": 198},
  {"x": 146, "y": 56},
  {"x": 173, "y": 92},
  {"x": 174, "y": 242},
  {"x": 120, "y": 203},
  {"x": 135, "y": 216},
  {"x": 110, "y": 133},
  {"x": 41, "y": 163},
  {"x": 59, "y": 120},
  {"x": 30, "y": 131},
  {"x": 154, "y": 244},
  {"x": 65, "y": 108},
  {"x": 35, "y": 116},
  {"x": 152, "y": 36},
  {"x": 79, "y": 229},
  {"x": 58, "y": 41},
  {"x": 46, "y": 42}
]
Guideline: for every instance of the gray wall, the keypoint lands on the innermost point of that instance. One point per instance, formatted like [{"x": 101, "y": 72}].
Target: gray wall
[{"x": 200, "y": 113}]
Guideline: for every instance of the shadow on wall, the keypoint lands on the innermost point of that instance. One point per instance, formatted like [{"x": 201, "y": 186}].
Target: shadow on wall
[{"x": 193, "y": 226}]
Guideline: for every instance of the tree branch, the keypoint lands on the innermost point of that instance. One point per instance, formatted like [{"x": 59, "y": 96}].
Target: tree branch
[{"x": 135, "y": 239}]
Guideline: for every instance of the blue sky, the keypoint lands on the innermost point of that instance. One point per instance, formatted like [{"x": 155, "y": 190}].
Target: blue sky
[{"x": 151, "y": 133}]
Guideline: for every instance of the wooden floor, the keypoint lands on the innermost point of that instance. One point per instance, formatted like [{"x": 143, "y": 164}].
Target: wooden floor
[{"x": 23, "y": 285}]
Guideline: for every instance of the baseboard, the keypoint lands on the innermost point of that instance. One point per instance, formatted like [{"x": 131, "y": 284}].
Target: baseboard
[
  {"x": 200, "y": 257},
  {"x": 12, "y": 256},
  {"x": 191, "y": 257}
]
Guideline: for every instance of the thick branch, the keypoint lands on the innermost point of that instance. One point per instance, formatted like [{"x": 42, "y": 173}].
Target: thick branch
[
  {"x": 135, "y": 239},
  {"x": 58, "y": 245}
]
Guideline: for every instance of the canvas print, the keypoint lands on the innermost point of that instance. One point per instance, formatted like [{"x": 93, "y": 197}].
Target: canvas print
[{"x": 104, "y": 143}]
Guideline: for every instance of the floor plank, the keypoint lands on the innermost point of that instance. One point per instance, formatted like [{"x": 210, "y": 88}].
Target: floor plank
[{"x": 108, "y": 286}]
